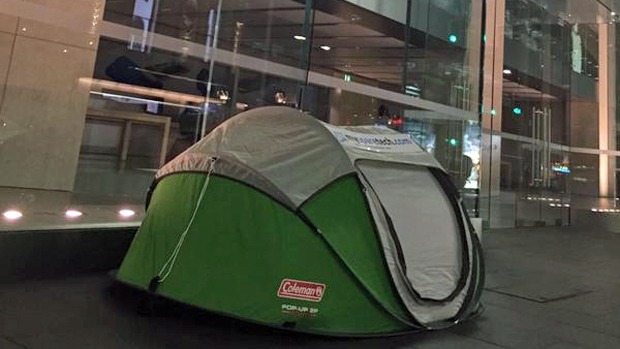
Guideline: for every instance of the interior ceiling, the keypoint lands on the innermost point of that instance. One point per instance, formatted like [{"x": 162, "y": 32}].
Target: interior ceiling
[{"x": 362, "y": 43}]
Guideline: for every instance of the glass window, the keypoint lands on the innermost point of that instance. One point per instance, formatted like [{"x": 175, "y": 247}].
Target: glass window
[
  {"x": 556, "y": 119},
  {"x": 95, "y": 97}
]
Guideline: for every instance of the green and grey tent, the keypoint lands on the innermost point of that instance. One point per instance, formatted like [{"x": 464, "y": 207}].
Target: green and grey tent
[{"x": 278, "y": 218}]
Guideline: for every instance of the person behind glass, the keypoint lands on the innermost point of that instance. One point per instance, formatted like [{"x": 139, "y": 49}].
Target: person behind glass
[{"x": 279, "y": 98}]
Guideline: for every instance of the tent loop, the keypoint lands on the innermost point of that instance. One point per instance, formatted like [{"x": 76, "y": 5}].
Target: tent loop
[{"x": 167, "y": 267}]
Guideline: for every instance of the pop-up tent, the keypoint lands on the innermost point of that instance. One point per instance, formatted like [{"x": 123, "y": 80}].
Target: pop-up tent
[{"x": 280, "y": 219}]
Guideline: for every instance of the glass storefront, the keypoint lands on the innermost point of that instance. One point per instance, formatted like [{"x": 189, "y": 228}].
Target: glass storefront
[
  {"x": 516, "y": 99},
  {"x": 554, "y": 133},
  {"x": 96, "y": 95}
]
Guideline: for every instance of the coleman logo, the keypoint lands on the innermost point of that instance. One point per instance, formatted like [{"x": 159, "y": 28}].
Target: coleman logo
[{"x": 304, "y": 290}]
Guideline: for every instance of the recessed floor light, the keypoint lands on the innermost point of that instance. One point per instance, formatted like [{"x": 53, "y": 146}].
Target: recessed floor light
[
  {"x": 299, "y": 37},
  {"x": 73, "y": 213},
  {"x": 325, "y": 48},
  {"x": 126, "y": 213},
  {"x": 12, "y": 215}
]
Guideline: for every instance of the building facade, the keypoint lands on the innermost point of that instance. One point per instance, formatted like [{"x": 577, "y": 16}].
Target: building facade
[{"x": 515, "y": 98}]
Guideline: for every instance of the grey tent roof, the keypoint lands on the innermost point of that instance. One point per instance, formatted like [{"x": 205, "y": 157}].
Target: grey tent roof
[{"x": 291, "y": 155}]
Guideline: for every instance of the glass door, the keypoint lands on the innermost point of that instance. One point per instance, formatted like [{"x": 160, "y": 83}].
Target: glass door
[{"x": 541, "y": 198}]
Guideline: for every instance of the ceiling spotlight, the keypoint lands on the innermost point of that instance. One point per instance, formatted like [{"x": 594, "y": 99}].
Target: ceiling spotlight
[
  {"x": 325, "y": 48},
  {"x": 126, "y": 213},
  {"x": 12, "y": 215},
  {"x": 73, "y": 213},
  {"x": 507, "y": 71},
  {"x": 299, "y": 37}
]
